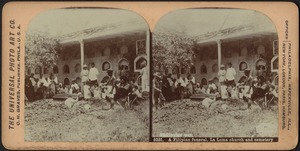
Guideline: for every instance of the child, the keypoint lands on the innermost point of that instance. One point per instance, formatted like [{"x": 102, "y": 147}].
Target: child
[{"x": 86, "y": 91}]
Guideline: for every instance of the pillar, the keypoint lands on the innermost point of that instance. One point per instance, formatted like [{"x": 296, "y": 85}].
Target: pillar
[
  {"x": 81, "y": 53},
  {"x": 219, "y": 53},
  {"x": 148, "y": 58},
  {"x": 219, "y": 60}
]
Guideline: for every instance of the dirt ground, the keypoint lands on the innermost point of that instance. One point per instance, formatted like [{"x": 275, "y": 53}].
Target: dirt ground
[
  {"x": 50, "y": 120},
  {"x": 221, "y": 119}
]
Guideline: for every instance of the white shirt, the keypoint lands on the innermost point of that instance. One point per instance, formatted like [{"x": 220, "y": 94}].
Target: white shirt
[
  {"x": 93, "y": 74},
  {"x": 230, "y": 73},
  {"x": 44, "y": 81}
]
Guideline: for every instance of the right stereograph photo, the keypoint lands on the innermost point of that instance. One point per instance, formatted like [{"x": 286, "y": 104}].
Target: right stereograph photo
[{"x": 214, "y": 74}]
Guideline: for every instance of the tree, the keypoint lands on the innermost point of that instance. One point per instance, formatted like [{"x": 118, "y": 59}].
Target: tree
[
  {"x": 41, "y": 50},
  {"x": 172, "y": 49}
]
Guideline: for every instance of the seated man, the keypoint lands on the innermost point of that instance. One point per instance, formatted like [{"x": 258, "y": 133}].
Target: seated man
[{"x": 74, "y": 88}]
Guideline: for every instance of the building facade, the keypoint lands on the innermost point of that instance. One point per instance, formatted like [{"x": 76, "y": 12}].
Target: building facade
[
  {"x": 121, "y": 48},
  {"x": 245, "y": 47}
]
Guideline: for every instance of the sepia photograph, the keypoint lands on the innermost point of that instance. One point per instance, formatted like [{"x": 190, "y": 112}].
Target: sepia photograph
[
  {"x": 87, "y": 76},
  {"x": 215, "y": 74},
  {"x": 150, "y": 75}
]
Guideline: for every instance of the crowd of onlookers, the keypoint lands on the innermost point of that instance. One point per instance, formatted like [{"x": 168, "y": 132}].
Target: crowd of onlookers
[
  {"x": 109, "y": 88},
  {"x": 257, "y": 90}
]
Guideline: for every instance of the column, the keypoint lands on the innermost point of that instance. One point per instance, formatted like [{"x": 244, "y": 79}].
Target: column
[
  {"x": 148, "y": 58},
  {"x": 219, "y": 60},
  {"x": 81, "y": 53},
  {"x": 219, "y": 53}
]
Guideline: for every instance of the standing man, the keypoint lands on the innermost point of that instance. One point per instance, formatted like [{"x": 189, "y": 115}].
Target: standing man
[
  {"x": 84, "y": 74},
  {"x": 230, "y": 75},
  {"x": 93, "y": 75}
]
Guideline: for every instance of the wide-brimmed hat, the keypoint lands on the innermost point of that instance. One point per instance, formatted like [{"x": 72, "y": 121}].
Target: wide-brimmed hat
[
  {"x": 85, "y": 66},
  {"x": 222, "y": 66}
]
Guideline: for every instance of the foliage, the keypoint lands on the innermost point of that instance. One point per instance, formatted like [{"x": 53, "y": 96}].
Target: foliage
[
  {"x": 41, "y": 50},
  {"x": 172, "y": 49}
]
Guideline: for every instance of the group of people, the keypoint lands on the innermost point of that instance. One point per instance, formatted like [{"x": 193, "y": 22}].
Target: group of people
[
  {"x": 258, "y": 90},
  {"x": 41, "y": 87},
  {"x": 109, "y": 88}
]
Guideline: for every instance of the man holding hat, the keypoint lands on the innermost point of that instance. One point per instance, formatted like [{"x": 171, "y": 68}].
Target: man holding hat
[{"x": 109, "y": 83}]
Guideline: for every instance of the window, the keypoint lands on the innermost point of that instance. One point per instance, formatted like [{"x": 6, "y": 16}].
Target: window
[
  {"x": 77, "y": 68},
  {"x": 66, "y": 81},
  {"x": 37, "y": 70},
  {"x": 105, "y": 66},
  {"x": 203, "y": 69},
  {"x": 243, "y": 51},
  {"x": 243, "y": 66},
  {"x": 66, "y": 69},
  {"x": 260, "y": 49},
  {"x": 260, "y": 64},
  {"x": 203, "y": 81},
  {"x": 215, "y": 68},
  {"x": 123, "y": 64},
  {"x": 193, "y": 70},
  {"x": 55, "y": 69}
]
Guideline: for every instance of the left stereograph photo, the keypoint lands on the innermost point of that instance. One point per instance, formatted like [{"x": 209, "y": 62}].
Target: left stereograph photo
[{"x": 87, "y": 76}]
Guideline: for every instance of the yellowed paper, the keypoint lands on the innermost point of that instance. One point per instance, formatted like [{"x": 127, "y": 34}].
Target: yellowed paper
[{"x": 18, "y": 20}]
